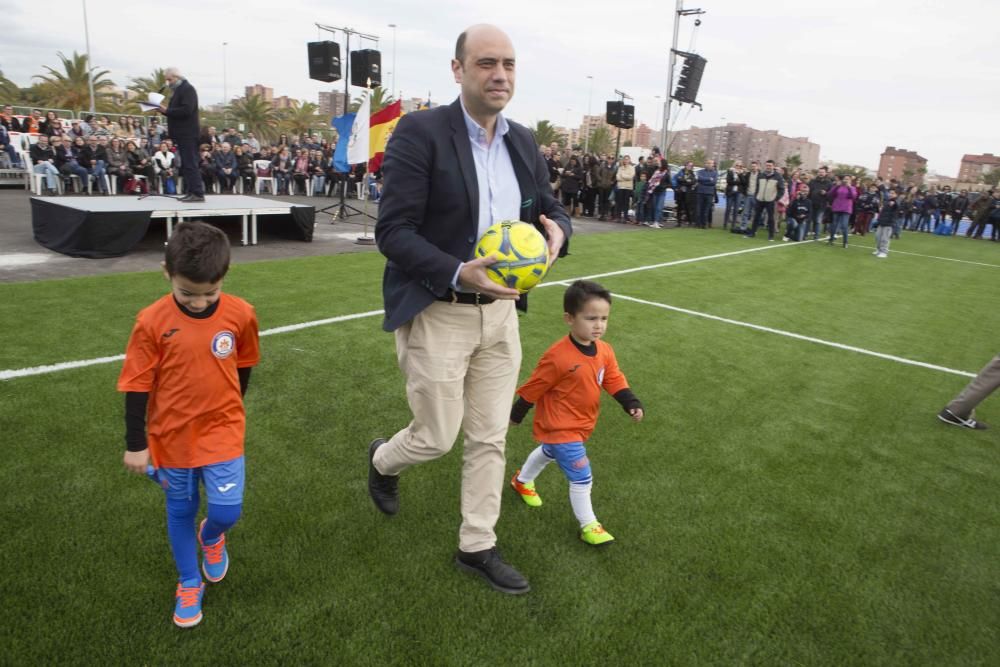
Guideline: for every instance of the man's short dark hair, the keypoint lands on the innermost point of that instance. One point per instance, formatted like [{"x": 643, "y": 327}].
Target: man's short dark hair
[
  {"x": 580, "y": 292},
  {"x": 460, "y": 46},
  {"x": 198, "y": 252},
  {"x": 769, "y": 162}
]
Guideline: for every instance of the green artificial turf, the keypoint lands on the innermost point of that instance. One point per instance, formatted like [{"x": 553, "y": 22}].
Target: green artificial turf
[{"x": 783, "y": 502}]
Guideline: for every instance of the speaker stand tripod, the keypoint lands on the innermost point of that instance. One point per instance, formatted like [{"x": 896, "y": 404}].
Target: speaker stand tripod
[{"x": 342, "y": 210}]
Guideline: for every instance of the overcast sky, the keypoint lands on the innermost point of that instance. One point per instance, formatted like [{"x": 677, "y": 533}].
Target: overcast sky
[{"x": 852, "y": 75}]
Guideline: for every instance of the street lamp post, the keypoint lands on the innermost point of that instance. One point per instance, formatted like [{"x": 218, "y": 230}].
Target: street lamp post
[
  {"x": 225, "y": 83},
  {"x": 586, "y": 122},
  {"x": 393, "y": 26},
  {"x": 90, "y": 63}
]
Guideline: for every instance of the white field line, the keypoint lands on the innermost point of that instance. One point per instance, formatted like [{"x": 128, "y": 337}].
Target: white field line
[
  {"x": 917, "y": 254},
  {"x": 11, "y": 374},
  {"x": 789, "y": 334}
]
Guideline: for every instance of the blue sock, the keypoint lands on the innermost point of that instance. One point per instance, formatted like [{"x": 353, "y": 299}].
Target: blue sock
[
  {"x": 220, "y": 519},
  {"x": 181, "y": 531}
]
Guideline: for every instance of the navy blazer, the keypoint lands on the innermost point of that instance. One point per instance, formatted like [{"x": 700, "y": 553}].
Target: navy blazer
[
  {"x": 428, "y": 218},
  {"x": 182, "y": 112}
]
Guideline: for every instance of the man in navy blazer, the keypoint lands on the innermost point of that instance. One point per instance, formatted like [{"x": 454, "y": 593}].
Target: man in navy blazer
[
  {"x": 449, "y": 174},
  {"x": 183, "y": 128}
]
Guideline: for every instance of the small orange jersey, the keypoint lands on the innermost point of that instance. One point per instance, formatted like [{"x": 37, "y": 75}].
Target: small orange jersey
[
  {"x": 195, "y": 415},
  {"x": 566, "y": 390}
]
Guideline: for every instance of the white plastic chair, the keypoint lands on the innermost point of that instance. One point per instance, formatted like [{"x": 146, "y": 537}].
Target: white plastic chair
[
  {"x": 272, "y": 182},
  {"x": 38, "y": 180}
]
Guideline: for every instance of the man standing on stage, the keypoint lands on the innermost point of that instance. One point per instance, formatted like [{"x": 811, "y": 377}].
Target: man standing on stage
[{"x": 182, "y": 126}]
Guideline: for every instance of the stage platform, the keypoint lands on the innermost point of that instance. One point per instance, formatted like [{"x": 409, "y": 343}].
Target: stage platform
[{"x": 97, "y": 226}]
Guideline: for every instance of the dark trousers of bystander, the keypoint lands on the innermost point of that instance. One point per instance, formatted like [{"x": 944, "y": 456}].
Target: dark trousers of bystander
[
  {"x": 861, "y": 221},
  {"x": 762, "y": 208}
]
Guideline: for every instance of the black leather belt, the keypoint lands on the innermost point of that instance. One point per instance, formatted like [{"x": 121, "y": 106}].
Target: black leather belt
[{"x": 474, "y": 298}]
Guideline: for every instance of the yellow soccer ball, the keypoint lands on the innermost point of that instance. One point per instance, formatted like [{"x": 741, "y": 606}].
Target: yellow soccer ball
[{"x": 521, "y": 251}]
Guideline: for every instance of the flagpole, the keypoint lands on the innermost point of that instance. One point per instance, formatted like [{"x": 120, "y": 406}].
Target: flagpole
[{"x": 365, "y": 239}]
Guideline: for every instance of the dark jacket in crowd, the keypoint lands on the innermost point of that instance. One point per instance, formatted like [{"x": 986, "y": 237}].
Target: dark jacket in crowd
[
  {"x": 818, "y": 189},
  {"x": 930, "y": 203},
  {"x": 605, "y": 175},
  {"x": 959, "y": 206},
  {"x": 12, "y": 124},
  {"x": 707, "y": 179},
  {"x": 572, "y": 179},
  {"x": 733, "y": 182},
  {"x": 182, "y": 113},
  {"x": 889, "y": 213},
  {"x": 869, "y": 202},
  {"x": 800, "y": 209},
  {"x": 685, "y": 181},
  {"x": 225, "y": 160},
  {"x": 89, "y": 155},
  {"x": 38, "y": 154}
]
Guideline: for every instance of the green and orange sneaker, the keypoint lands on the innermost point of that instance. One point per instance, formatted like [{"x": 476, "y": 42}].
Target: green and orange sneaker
[
  {"x": 594, "y": 534},
  {"x": 526, "y": 491}
]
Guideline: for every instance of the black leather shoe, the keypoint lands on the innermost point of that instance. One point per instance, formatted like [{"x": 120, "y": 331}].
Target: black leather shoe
[
  {"x": 491, "y": 566},
  {"x": 384, "y": 489},
  {"x": 192, "y": 198}
]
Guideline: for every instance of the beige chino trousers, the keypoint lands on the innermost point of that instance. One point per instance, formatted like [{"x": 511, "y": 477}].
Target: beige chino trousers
[
  {"x": 978, "y": 389},
  {"x": 461, "y": 363}
]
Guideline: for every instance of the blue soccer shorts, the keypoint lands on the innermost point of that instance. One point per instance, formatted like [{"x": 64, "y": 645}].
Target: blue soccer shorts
[
  {"x": 224, "y": 482},
  {"x": 572, "y": 459}
]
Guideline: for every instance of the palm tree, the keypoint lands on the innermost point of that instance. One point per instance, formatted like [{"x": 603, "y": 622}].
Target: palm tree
[
  {"x": 9, "y": 91},
  {"x": 256, "y": 114},
  {"x": 300, "y": 118},
  {"x": 793, "y": 162},
  {"x": 545, "y": 133},
  {"x": 381, "y": 98},
  {"x": 600, "y": 140},
  {"x": 70, "y": 89},
  {"x": 698, "y": 156}
]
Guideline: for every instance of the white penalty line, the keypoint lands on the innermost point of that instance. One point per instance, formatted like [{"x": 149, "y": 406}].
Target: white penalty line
[
  {"x": 917, "y": 254},
  {"x": 83, "y": 363},
  {"x": 789, "y": 334}
]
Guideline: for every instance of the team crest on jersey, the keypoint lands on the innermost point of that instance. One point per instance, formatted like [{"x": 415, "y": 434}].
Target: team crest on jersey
[
  {"x": 600, "y": 376},
  {"x": 223, "y": 344}
]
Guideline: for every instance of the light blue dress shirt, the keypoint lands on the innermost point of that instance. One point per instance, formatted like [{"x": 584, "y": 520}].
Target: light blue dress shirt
[{"x": 499, "y": 192}]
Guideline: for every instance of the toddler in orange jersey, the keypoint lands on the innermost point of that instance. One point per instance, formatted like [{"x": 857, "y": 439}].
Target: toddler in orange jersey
[
  {"x": 566, "y": 386},
  {"x": 187, "y": 366}
]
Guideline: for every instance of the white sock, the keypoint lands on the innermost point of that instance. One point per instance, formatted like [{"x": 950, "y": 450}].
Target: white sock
[
  {"x": 533, "y": 465},
  {"x": 579, "y": 498}
]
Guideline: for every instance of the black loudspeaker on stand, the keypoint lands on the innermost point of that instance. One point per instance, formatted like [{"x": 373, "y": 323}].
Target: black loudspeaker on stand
[
  {"x": 366, "y": 68},
  {"x": 324, "y": 61}
]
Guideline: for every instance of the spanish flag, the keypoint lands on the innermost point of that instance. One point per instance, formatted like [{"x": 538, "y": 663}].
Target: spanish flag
[{"x": 382, "y": 124}]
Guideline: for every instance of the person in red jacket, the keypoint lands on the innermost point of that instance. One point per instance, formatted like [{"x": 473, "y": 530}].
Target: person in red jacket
[{"x": 566, "y": 385}]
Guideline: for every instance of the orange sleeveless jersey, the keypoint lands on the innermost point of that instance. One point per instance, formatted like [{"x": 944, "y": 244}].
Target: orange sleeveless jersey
[
  {"x": 566, "y": 390},
  {"x": 188, "y": 366}
]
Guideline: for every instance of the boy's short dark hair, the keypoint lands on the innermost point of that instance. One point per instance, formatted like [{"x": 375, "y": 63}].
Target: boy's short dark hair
[
  {"x": 580, "y": 292},
  {"x": 198, "y": 252}
]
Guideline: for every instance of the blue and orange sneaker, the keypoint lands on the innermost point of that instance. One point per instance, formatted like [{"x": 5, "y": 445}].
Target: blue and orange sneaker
[
  {"x": 216, "y": 559},
  {"x": 187, "y": 610}
]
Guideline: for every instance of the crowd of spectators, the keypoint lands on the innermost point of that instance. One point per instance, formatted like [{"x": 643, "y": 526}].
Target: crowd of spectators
[
  {"x": 135, "y": 156},
  {"x": 800, "y": 202}
]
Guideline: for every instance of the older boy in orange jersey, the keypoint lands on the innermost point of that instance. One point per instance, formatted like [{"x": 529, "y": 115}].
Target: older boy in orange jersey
[{"x": 186, "y": 369}]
